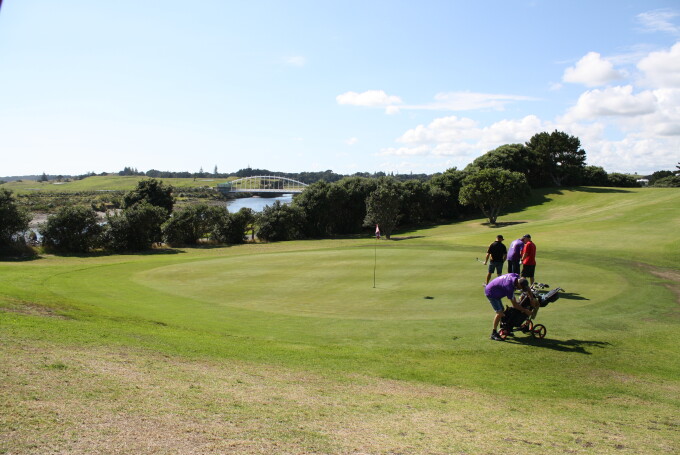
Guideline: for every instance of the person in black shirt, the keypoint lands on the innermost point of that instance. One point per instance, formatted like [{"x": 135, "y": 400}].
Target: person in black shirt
[{"x": 498, "y": 253}]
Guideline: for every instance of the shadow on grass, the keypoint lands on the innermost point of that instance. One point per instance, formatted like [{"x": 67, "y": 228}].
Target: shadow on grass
[
  {"x": 502, "y": 224},
  {"x": 408, "y": 237},
  {"x": 19, "y": 258},
  {"x": 593, "y": 189},
  {"x": 576, "y": 346},
  {"x": 572, "y": 296}
]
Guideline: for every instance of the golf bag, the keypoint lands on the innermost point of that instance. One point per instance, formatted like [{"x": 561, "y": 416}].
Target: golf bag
[{"x": 514, "y": 319}]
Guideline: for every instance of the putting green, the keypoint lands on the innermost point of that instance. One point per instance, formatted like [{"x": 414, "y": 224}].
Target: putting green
[{"x": 411, "y": 283}]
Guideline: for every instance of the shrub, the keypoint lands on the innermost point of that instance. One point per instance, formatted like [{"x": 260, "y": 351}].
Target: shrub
[
  {"x": 188, "y": 226},
  {"x": 73, "y": 229},
  {"x": 13, "y": 219},
  {"x": 134, "y": 229},
  {"x": 231, "y": 228},
  {"x": 279, "y": 222}
]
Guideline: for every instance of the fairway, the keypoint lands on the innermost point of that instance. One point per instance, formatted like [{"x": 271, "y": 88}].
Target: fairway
[{"x": 291, "y": 348}]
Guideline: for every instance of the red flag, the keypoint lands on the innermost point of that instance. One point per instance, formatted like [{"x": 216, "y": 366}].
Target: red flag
[{"x": 377, "y": 232}]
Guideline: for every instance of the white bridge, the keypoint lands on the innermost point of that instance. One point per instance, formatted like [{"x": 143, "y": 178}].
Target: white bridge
[{"x": 262, "y": 184}]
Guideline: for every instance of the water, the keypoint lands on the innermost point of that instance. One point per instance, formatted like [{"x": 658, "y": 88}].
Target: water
[{"x": 256, "y": 203}]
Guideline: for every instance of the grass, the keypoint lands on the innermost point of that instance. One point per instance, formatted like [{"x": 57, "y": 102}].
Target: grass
[
  {"x": 104, "y": 183},
  {"x": 288, "y": 347}
]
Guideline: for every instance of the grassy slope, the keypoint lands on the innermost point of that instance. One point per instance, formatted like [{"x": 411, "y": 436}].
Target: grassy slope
[
  {"x": 103, "y": 183},
  {"x": 320, "y": 361}
]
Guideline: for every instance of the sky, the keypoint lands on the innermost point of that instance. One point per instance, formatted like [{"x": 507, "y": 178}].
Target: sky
[{"x": 348, "y": 86}]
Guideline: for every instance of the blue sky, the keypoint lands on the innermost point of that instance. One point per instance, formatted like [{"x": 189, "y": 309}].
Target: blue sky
[{"x": 393, "y": 86}]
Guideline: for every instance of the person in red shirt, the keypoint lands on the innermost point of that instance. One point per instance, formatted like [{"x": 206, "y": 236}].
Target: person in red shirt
[{"x": 528, "y": 258}]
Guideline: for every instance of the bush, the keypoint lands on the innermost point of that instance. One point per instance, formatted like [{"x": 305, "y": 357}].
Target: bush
[
  {"x": 278, "y": 222},
  {"x": 672, "y": 181},
  {"x": 188, "y": 226},
  {"x": 153, "y": 192},
  {"x": 231, "y": 228},
  {"x": 622, "y": 180},
  {"x": 134, "y": 229},
  {"x": 13, "y": 220},
  {"x": 72, "y": 230}
]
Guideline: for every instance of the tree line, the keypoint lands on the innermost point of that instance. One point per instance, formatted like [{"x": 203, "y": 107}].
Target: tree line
[{"x": 326, "y": 208}]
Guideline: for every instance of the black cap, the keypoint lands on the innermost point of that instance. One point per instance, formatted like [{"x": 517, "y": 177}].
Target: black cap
[
  {"x": 523, "y": 283},
  {"x": 526, "y": 236}
]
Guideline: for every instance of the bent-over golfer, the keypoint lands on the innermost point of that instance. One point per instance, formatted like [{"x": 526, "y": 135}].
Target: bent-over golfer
[{"x": 504, "y": 286}]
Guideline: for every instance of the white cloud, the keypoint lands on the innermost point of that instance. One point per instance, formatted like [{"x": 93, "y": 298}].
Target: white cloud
[
  {"x": 612, "y": 101},
  {"x": 446, "y": 129},
  {"x": 592, "y": 70},
  {"x": 662, "y": 69},
  {"x": 406, "y": 151},
  {"x": 462, "y": 138},
  {"x": 450, "y": 101},
  {"x": 634, "y": 154},
  {"x": 659, "y": 21},
  {"x": 370, "y": 98},
  {"x": 351, "y": 141},
  {"x": 467, "y": 101}
]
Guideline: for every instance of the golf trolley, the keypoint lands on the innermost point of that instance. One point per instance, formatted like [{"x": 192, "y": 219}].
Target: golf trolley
[{"x": 516, "y": 320}]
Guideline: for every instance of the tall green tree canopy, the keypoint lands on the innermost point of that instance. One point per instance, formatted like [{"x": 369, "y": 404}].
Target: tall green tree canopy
[
  {"x": 511, "y": 157},
  {"x": 384, "y": 204},
  {"x": 558, "y": 159},
  {"x": 13, "y": 219},
  {"x": 491, "y": 190},
  {"x": 152, "y": 191},
  {"x": 279, "y": 222}
]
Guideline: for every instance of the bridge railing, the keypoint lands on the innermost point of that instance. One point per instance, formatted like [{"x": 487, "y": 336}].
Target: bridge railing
[{"x": 262, "y": 184}]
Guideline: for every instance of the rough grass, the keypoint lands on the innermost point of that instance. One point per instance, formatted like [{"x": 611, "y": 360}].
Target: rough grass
[
  {"x": 105, "y": 183},
  {"x": 288, "y": 348}
]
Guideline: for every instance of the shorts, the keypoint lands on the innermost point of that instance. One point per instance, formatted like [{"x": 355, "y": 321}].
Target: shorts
[
  {"x": 528, "y": 271},
  {"x": 496, "y": 304},
  {"x": 497, "y": 266},
  {"x": 513, "y": 267}
]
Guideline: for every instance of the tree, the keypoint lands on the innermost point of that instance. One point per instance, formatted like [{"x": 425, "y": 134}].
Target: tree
[
  {"x": 73, "y": 229},
  {"x": 384, "y": 204},
  {"x": 619, "y": 180},
  {"x": 188, "y": 226},
  {"x": 152, "y": 191},
  {"x": 557, "y": 159},
  {"x": 594, "y": 176},
  {"x": 491, "y": 190},
  {"x": 278, "y": 222},
  {"x": 135, "y": 228},
  {"x": 230, "y": 228},
  {"x": 511, "y": 157},
  {"x": 672, "y": 181},
  {"x": 13, "y": 219},
  {"x": 659, "y": 175},
  {"x": 320, "y": 203},
  {"x": 446, "y": 187},
  {"x": 349, "y": 214},
  {"x": 416, "y": 203}
]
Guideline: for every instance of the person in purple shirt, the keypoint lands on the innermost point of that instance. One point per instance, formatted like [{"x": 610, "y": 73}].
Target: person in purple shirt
[
  {"x": 505, "y": 286},
  {"x": 514, "y": 255}
]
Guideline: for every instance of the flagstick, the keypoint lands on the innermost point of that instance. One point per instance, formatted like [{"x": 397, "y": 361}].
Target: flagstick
[{"x": 375, "y": 261}]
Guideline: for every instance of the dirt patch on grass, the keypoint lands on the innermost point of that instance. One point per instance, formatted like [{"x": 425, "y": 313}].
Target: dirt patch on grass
[
  {"x": 123, "y": 401},
  {"x": 31, "y": 309},
  {"x": 673, "y": 276}
]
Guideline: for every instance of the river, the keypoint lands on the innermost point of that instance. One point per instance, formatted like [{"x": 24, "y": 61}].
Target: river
[{"x": 256, "y": 203}]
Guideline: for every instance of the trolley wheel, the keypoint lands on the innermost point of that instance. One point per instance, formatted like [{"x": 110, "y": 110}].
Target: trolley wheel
[
  {"x": 539, "y": 331},
  {"x": 527, "y": 326},
  {"x": 503, "y": 333}
]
